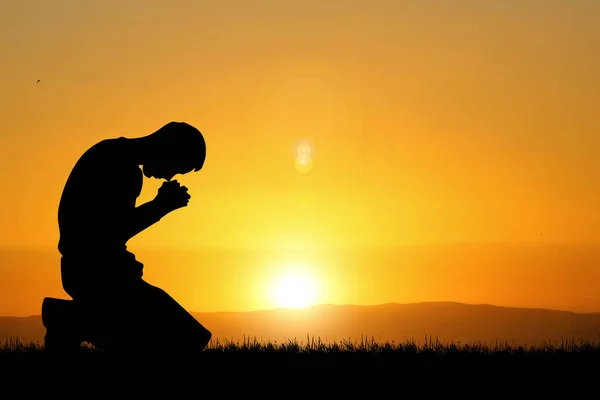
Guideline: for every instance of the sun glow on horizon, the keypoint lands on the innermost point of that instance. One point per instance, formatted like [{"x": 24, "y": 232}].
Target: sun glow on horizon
[{"x": 294, "y": 289}]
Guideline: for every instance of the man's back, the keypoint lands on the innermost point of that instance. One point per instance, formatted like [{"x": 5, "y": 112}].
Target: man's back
[
  {"x": 98, "y": 198},
  {"x": 100, "y": 191}
]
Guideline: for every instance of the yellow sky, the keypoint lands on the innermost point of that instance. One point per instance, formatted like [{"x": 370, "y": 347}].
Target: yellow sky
[{"x": 463, "y": 121}]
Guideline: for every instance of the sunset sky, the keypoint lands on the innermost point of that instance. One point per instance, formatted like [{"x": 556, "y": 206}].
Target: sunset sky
[{"x": 457, "y": 146}]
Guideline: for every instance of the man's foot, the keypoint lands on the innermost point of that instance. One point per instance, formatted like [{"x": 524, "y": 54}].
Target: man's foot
[
  {"x": 58, "y": 342},
  {"x": 61, "y": 319}
]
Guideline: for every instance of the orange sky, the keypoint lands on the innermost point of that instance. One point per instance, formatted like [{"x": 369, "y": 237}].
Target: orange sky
[{"x": 470, "y": 122}]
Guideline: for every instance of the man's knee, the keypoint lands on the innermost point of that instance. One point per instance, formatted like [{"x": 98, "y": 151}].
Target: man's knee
[
  {"x": 207, "y": 337},
  {"x": 202, "y": 336}
]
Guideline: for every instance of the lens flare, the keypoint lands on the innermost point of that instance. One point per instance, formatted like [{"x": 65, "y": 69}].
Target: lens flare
[
  {"x": 304, "y": 153},
  {"x": 304, "y": 148},
  {"x": 303, "y": 165}
]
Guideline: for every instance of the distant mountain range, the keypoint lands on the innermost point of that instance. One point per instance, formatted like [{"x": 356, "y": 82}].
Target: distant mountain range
[{"x": 446, "y": 321}]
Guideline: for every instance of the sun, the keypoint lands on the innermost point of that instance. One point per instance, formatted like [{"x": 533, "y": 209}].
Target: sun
[{"x": 294, "y": 290}]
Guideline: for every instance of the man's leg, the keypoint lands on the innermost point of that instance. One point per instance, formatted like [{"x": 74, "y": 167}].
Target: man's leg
[{"x": 156, "y": 324}]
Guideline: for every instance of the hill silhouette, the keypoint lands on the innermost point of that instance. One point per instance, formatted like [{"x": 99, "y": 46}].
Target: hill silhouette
[{"x": 446, "y": 321}]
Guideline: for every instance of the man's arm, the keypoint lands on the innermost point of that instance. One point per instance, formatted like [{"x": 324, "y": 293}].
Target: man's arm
[
  {"x": 170, "y": 197},
  {"x": 123, "y": 220},
  {"x": 142, "y": 217},
  {"x": 121, "y": 223}
]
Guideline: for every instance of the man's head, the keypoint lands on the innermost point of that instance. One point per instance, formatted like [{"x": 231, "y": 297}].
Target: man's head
[{"x": 176, "y": 148}]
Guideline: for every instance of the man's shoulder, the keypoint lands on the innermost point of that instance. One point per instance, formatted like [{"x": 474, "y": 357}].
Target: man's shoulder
[
  {"x": 112, "y": 147},
  {"x": 117, "y": 142},
  {"x": 107, "y": 158}
]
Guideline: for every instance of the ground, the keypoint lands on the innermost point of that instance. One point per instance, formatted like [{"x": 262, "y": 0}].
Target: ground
[{"x": 285, "y": 370}]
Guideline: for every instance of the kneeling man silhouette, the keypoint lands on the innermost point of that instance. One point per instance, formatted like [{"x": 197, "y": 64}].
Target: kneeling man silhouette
[{"x": 112, "y": 307}]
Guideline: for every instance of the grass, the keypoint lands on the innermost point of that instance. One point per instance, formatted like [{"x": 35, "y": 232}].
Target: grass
[
  {"x": 345, "y": 365},
  {"x": 431, "y": 347}
]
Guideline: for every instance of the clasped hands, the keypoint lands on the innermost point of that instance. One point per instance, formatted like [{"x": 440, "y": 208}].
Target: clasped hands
[{"x": 171, "y": 195}]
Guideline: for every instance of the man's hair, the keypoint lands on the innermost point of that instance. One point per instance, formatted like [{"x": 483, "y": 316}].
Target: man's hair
[{"x": 187, "y": 140}]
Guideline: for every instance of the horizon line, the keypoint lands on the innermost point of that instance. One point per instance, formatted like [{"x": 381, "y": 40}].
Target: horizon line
[
  {"x": 366, "y": 246},
  {"x": 300, "y": 309}
]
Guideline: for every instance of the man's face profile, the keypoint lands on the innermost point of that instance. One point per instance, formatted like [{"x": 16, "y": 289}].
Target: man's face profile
[{"x": 164, "y": 171}]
